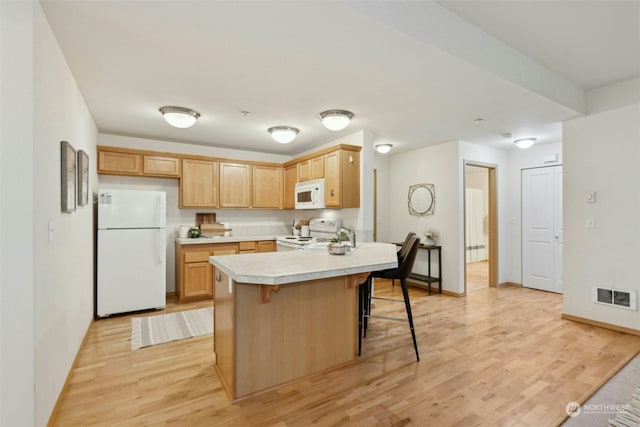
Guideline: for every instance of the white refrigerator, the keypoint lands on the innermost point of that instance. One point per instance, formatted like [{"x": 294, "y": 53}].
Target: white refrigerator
[{"x": 131, "y": 251}]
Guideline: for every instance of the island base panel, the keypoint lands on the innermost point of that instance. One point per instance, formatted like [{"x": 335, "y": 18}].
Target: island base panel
[{"x": 305, "y": 328}]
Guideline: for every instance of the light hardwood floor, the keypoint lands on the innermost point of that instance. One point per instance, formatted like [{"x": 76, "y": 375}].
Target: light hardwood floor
[{"x": 497, "y": 357}]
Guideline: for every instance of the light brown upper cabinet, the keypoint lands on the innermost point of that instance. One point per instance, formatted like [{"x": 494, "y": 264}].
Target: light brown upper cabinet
[
  {"x": 199, "y": 184},
  {"x": 161, "y": 166},
  {"x": 342, "y": 179},
  {"x": 311, "y": 169},
  {"x": 123, "y": 161},
  {"x": 119, "y": 163},
  {"x": 235, "y": 185},
  {"x": 289, "y": 188},
  {"x": 267, "y": 187},
  {"x": 211, "y": 182}
]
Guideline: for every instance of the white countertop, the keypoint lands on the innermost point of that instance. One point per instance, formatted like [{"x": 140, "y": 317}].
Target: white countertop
[
  {"x": 277, "y": 268},
  {"x": 222, "y": 239}
]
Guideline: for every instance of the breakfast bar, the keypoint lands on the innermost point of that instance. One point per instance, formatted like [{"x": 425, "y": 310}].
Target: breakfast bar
[{"x": 282, "y": 316}]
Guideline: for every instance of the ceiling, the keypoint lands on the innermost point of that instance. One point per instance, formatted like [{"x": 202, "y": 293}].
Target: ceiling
[{"x": 415, "y": 73}]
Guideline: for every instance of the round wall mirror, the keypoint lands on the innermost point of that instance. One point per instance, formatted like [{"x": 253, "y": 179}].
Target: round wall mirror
[{"x": 422, "y": 199}]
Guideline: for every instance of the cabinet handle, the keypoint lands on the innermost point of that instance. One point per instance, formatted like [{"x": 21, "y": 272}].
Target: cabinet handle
[
  {"x": 218, "y": 276},
  {"x": 332, "y": 192}
]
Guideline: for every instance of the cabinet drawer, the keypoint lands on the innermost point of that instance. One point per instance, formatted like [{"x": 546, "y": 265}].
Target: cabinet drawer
[
  {"x": 199, "y": 256},
  {"x": 247, "y": 246}
]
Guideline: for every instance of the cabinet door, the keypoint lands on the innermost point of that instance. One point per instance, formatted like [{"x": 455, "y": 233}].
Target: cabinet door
[
  {"x": 119, "y": 163},
  {"x": 267, "y": 187},
  {"x": 289, "y": 188},
  {"x": 199, "y": 184},
  {"x": 350, "y": 179},
  {"x": 161, "y": 166},
  {"x": 316, "y": 168},
  {"x": 304, "y": 172},
  {"x": 311, "y": 169},
  {"x": 332, "y": 179},
  {"x": 235, "y": 185},
  {"x": 342, "y": 177},
  {"x": 198, "y": 280},
  {"x": 267, "y": 246}
]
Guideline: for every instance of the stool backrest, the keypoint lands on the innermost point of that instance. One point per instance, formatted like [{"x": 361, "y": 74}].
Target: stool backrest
[
  {"x": 405, "y": 246},
  {"x": 406, "y": 263}
]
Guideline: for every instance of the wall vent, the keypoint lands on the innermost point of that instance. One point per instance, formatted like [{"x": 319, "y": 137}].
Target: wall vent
[{"x": 615, "y": 297}]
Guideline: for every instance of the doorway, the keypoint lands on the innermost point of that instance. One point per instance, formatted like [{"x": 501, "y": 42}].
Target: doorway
[{"x": 480, "y": 227}]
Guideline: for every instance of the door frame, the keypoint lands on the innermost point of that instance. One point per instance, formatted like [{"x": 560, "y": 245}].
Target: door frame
[{"x": 492, "y": 170}]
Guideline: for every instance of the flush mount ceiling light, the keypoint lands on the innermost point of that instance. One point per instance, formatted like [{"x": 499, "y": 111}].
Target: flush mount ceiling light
[
  {"x": 179, "y": 117},
  {"x": 335, "y": 119},
  {"x": 283, "y": 134},
  {"x": 524, "y": 142},
  {"x": 383, "y": 148}
]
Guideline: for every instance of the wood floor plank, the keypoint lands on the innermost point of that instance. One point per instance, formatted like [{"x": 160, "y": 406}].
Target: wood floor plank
[{"x": 496, "y": 357}]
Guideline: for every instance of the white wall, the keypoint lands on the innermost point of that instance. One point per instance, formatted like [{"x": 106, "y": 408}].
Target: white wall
[
  {"x": 17, "y": 395},
  {"x": 432, "y": 165},
  {"x": 517, "y": 160},
  {"x": 63, "y": 266},
  {"x": 381, "y": 164},
  {"x": 602, "y": 154}
]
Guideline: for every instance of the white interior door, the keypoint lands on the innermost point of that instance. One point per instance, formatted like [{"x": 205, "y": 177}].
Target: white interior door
[{"x": 542, "y": 228}]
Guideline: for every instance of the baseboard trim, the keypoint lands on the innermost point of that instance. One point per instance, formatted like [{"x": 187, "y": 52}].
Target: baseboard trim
[
  {"x": 600, "y": 324},
  {"x": 63, "y": 391},
  {"x": 517, "y": 285},
  {"x": 434, "y": 288}
]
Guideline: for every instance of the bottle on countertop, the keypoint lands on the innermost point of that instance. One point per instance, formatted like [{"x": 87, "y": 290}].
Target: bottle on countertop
[{"x": 352, "y": 238}]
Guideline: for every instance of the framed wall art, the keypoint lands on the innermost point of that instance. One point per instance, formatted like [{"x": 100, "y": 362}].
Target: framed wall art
[
  {"x": 68, "y": 176},
  {"x": 83, "y": 178},
  {"x": 422, "y": 199}
]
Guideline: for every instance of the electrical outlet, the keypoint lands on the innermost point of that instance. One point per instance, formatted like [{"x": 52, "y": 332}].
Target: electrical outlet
[{"x": 590, "y": 196}]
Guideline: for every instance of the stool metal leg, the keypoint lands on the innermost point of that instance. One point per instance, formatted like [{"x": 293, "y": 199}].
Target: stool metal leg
[{"x": 405, "y": 293}]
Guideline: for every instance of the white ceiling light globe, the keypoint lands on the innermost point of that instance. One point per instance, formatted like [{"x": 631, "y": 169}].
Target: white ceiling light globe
[
  {"x": 180, "y": 117},
  {"x": 283, "y": 134},
  {"x": 335, "y": 119}
]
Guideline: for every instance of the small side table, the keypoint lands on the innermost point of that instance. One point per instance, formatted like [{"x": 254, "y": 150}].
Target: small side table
[{"x": 429, "y": 278}]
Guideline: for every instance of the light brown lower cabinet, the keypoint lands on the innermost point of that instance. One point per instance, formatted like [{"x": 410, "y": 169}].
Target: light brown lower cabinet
[{"x": 194, "y": 272}]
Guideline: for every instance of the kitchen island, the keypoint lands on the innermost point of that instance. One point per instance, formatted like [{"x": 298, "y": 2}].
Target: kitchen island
[{"x": 283, "y": 316}]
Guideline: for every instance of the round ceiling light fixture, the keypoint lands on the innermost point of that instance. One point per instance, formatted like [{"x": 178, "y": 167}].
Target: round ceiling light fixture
[
  {"x": 335, "y": 119},
  {"x": 179, "y": 117},
  {"x": 283, "y": 134},
  {"x": 524, "y": 142},
  {"x": 383, "y": 148}
]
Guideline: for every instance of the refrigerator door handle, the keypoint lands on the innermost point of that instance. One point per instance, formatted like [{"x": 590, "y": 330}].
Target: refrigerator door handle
[
  {"x": 160, "y": 251},
  {"x": 159, "y": 210}
]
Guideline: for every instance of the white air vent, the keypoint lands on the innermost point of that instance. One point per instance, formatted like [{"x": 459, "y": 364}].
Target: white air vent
[{"x": 615, "y": 297}]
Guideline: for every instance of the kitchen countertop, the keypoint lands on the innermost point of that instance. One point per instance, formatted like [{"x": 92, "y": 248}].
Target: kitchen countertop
[
  {"x": 277, "y": 268},
  {"x": 222, "y": 239}
]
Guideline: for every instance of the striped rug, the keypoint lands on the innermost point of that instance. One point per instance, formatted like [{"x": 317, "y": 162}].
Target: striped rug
[{"x": 151, "y": 330}]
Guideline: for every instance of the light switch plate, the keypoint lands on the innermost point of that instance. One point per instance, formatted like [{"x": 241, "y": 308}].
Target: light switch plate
[{"x": 590, "y": 196}]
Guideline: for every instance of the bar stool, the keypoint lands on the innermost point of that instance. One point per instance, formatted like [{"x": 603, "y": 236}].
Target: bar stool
[
  {"x": 401, "y": 273},
  {"x": 402, "y": 252}
]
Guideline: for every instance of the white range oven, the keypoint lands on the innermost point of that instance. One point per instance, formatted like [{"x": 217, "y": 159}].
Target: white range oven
[{"x": 321, "y": 231}]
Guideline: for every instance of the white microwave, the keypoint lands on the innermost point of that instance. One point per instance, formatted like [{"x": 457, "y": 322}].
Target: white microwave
[{"x": 310, "y": 194}]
